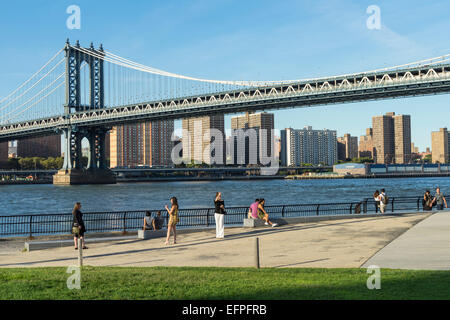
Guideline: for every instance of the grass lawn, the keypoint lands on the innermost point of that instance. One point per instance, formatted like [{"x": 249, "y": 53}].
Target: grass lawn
[{"x": 221, "y": 283}]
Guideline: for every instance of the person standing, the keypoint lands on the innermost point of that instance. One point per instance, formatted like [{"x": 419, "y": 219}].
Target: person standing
[
  {"x": 219, "y": 215},
  {"x": 78, "y": 222},
  {"x": 383, "y": 200},
  {"x": 173, "y": 220},
  {"x": 427, "y": 201},
  {"x": 376, "y": 198},
  {"x": 439, "y": 199}
]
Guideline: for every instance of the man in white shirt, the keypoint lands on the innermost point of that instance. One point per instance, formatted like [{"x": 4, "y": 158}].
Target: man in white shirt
[{"x": 382, "y": 201}]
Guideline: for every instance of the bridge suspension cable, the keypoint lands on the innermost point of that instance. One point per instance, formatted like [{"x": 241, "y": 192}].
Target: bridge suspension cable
[
  {"x": 110, "y": 57},
  {"x": 37, "y": 97},
  {"x": 34, "y": 75}
]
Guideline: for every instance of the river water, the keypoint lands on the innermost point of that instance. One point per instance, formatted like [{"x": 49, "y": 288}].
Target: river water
[{"x": 26, "y": 199}]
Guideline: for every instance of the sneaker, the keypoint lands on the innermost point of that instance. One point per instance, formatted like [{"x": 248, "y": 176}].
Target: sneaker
[
  {"x": 274, "y": 224},
  {"x": 266, "y": 223}
]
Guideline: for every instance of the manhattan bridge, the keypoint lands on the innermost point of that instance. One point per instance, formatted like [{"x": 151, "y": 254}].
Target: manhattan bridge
[{"x": 82, "y": 92}]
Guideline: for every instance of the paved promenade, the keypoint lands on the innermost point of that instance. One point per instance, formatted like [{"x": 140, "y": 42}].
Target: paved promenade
[
  {"x": 426, "y": 246},
  {"x": 338, "y": 243}
]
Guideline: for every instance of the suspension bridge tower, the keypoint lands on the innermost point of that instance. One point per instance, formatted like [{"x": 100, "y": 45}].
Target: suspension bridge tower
[{"x": 73, "y": 171}]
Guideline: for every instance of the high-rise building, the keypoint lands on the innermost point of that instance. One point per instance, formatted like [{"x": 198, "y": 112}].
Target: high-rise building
[
  {"x": 383, "y": 138},
  {"x": 3, "y": 151},
  {"x": 365, "y": 147},
  {"x": 414, "y": 149},
  {"x": 402, "y": 140},
  {"x": 347, "y": 147},
  {"x": 308, "y": 146},
  {"x": 392, "y": 138},
  {"x": 201, "y": 145},
  {"x": 439, "y": 146},
  {"x": 44, "y": 147},
  {"x": 341, "y": 149},
  {"x": 254, "y": 126},
  {"x": 147, "y": 143}
]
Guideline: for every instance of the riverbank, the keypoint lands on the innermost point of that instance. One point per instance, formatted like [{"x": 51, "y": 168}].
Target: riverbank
[
  {"x": 244, "y": 178},
  {"x": 24, "y": 182}
]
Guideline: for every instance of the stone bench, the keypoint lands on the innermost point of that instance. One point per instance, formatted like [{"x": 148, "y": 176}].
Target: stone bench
[
  {"x": 41, "y": 245},
  {"x": 150, "y": 234},
  {"x": 252, "y": 223}
]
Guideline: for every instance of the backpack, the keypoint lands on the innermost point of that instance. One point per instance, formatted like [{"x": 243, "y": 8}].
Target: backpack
[{"x": 385, "y": 200}]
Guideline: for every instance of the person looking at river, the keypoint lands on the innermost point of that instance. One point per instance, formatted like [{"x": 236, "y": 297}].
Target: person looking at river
[
  {"x": 376, "y": 198},
  {"x": 427, "y": 201},
  {"x": 78, "y": 223}
]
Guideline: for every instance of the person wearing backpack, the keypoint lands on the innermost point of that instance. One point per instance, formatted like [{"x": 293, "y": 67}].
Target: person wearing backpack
[{"x": 384, "y": 200}]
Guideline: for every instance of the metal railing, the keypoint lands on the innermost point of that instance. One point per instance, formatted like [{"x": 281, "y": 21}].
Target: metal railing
[{"x": 125, "y": 221}]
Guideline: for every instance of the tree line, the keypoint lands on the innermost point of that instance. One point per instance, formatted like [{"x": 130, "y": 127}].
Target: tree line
[{"x": 33, "y": 163}]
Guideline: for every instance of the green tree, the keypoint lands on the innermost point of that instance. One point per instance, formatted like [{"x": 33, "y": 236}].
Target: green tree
[{"x": 26, "y": 163}]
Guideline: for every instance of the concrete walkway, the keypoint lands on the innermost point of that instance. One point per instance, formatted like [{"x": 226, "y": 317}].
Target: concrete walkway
[
  {"x": 330, "y": 244},
  {"x": 425, "y": 246}
]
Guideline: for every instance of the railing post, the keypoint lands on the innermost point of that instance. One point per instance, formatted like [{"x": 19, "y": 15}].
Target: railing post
[
  {"x": 418, "y": 205},
  {"x": 365, "y": 206},
  {"x": 392, "y": 209},
  {"x": 80, "y": 252},
  {"x": 124, "y": 223},
  {"x": 317, "y": 210},
  {"x": 207, "y": 217},
  {"x": 31, "y": 227},
  {"x": 257, "y": 265},
  {"x": 282, "y": 212}
]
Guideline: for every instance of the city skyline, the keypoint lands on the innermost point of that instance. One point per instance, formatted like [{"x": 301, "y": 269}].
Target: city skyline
[{"x": 220, "y": 48}]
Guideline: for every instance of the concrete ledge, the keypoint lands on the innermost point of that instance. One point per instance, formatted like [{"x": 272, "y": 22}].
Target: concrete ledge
[
  {"x": 150, "y": 234},
  {"x": 252, "y": 223},
  {"x": 42, "y": 245},
  {"x": 293, "y": 220}
]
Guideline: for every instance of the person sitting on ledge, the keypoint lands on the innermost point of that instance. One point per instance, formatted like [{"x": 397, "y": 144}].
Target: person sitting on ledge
[
  {"x": 262, "y": 214},
  {"x": 157, "y": 222},
  {"x": 147, "y": 221},
  {"x": 152, "y": 224},
  {"x": 253, "y": 210}
]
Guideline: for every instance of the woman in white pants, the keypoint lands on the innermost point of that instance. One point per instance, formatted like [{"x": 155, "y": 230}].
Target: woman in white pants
[{"x": 219, "y": 215}]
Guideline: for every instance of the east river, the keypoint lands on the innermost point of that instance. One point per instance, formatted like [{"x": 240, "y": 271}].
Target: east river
[{"x": 35, "y": 199}]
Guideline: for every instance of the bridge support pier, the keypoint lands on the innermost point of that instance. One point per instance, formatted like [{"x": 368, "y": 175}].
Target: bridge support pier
[
  {"x": 97, "y": 171},
  {"x": 84, "y": 176}
]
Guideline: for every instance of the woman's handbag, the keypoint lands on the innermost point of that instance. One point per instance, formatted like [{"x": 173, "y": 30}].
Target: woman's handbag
[{"x": 75, "y": 229}]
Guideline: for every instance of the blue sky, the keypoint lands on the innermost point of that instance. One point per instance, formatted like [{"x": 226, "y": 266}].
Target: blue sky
[{"x": 246, "y": 40}]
